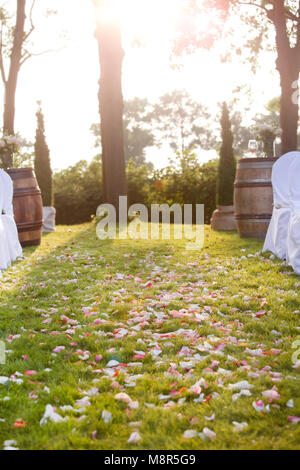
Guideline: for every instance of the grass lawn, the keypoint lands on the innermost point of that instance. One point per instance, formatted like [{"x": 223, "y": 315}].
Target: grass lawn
[{"x": 177, "y": 348}]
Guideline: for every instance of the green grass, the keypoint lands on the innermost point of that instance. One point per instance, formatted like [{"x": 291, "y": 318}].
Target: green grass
[{"x": 217, "y": 290}]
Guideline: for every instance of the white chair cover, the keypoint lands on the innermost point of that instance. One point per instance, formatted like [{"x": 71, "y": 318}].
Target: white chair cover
[
  {"x": 49, "y": 219},
  {"x": 276, "y": 237},
  {"x": 4, "y": 250},
  {"x": 14, "y": 247},
  {"x": 293, "y": 238}
]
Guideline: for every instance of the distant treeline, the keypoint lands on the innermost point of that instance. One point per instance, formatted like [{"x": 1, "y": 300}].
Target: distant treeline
[{"x": 77, "y": 189}]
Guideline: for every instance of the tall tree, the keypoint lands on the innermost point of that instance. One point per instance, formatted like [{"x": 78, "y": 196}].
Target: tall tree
[
  {"x": 181, "y": 122},
  {"x": 111, "y": 56},
  {"x": 138, "y": 135},
  {"x": 17, "y": 56},
  {"x": 226, "y": 173},
  {"x": 283, "y": 16},
  {"x": 267, "y": 125},
  {"x": 10, "y": 83},
  {"x": 242, "y": 134},
  {"x": 42, "y": 165},
  {"x": 15, "y": 46}
]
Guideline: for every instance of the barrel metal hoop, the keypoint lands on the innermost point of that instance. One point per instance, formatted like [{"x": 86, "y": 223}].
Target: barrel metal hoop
[
  {"x": 21, "y": 192},
  {"x": 253, "y": 184},
  {"x": 21, "y": 173},
  {"x": 256, "y": 161},
  {"x": 28, "y": 243},
  {"x": 254, "y": 166},
  {"x": 255, "y": 217},
  {"x": 258, "y": 235},
  {"x": 29, "y": 226},
  {"x": 255, "y": 221}
]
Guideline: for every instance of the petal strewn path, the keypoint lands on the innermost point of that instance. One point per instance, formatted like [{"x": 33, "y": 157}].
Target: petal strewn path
[{"x": 143, "y": 345}]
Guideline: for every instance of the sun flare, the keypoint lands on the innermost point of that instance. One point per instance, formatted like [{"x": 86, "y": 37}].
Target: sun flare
[{"x": 141, "y": 20}]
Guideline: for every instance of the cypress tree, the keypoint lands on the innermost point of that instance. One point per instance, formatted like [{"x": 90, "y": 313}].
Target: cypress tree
[
  {"x": 226, "y": 174},
  {"x": 42, "y": 165}
]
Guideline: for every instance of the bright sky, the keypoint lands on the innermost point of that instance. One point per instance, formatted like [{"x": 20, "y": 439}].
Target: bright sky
[{"x": 67, "y": 80}]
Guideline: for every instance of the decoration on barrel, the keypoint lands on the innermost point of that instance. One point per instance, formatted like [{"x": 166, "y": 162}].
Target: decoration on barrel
[
  {"x": 277, "y": 147},
  {"x": 264, "y": 145},
  {"x": 252, "y": 148},
  {"x": 260, "y": 148},
  {"x": 9, "y": 144}
]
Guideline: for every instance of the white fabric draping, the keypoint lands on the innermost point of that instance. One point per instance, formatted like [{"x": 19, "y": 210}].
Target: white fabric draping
[
  {"x": 293, "y": 238},
  {"x": 10, "y": 248},
  {"x": 276, "y": 238},
  {"x": 49, "y": 219},
  {"x": 4, "y": 251}
]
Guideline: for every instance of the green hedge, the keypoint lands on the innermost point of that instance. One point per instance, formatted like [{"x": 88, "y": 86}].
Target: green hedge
[{"x": 77, "y": 190}]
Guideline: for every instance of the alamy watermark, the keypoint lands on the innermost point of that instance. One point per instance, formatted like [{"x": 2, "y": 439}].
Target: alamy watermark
[
  {"x": 2, "y": 353},
  {"x": 296, "y": 354},
  {"x": 182, "y": 226}
]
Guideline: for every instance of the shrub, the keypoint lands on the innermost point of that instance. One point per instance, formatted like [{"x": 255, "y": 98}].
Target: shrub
[
  {"x": 186, "y": 181},
  {"x": 138, "y": 182},
  {"x": 77, "y": 192}
]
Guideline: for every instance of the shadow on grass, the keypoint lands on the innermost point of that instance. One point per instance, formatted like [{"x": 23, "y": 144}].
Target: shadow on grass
[{"x": 29, "y": 271}]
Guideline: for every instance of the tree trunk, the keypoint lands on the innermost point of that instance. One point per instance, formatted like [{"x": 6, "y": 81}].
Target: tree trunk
[
  {"x": 289, "y": 111},
  {"x": 111, "y": 112},
  {"x": 15, "y": 59},
  {"x": 10, "y": 85},
  {"x": 288, "y": 66},
  {"x": 9, "y": 108}
]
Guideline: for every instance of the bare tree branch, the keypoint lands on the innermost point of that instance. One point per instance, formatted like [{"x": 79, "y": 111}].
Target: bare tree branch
[
  {"x": 254, "y": 5},
  {"x": 2, "y": 69},
  {"x": 28, "y": 55},
  {"x": 32, "y": 28},
  {"x": 288, "y": 13}
]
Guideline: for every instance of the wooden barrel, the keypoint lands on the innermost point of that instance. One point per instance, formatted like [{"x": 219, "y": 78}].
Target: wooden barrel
[
  {"x": 253, "y": 196},
  {"x": 28, "y": 206}
]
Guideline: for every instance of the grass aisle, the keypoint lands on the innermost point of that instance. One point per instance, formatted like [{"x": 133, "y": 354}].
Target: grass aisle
[{"x": 142, "y": 345}]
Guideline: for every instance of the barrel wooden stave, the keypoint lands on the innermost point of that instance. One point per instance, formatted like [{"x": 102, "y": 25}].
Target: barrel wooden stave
[
  {"x": 28, "y": 206},
  {"x": 253, "y": 196}
]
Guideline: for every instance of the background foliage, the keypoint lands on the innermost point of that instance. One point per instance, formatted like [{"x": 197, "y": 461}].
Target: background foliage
[{"x": 77, "y": 189}]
